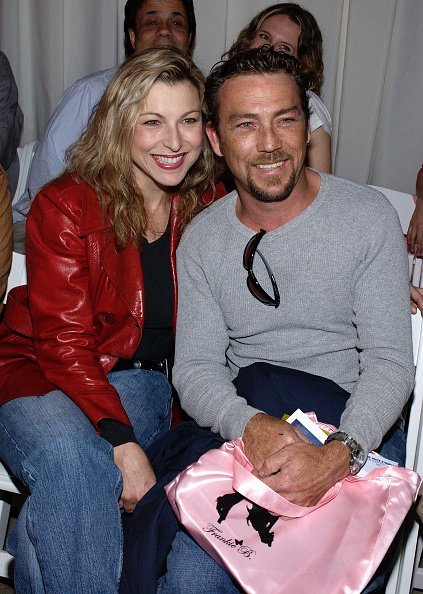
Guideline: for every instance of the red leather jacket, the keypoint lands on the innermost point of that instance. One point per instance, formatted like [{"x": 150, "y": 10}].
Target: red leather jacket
[{"x": 82, "y": 309}]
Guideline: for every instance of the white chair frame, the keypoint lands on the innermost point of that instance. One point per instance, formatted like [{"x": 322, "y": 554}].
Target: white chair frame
[
  {"x": 404, "y": 572},
  {"x": 6, "y": 485},
  {"x": 17, "y": 276}
]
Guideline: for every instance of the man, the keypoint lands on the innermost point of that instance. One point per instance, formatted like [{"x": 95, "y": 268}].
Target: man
[
  {"x": 11, "y": 121},
  {"x": 304, "y": 294},
  {"x": 148, "y": 23},
  {"x": 5, "y": 235}
]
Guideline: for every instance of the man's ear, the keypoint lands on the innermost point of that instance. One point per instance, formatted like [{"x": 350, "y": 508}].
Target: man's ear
[
  {"x": 132, "y": 37},
  {"x": 213, "y": 137}
]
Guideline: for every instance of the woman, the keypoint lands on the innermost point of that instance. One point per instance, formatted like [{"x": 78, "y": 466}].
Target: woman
[
  {"x": 82, "y": 347},
  {"x": 294, "y": 30}
]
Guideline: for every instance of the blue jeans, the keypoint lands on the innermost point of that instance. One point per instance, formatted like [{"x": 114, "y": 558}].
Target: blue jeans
[
  {"x": 190, "y": 570},
  {"x": 68, "y": 537}
]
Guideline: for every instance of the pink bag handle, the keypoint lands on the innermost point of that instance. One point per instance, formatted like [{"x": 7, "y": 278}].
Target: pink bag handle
[{"x": 255, "y": 490}]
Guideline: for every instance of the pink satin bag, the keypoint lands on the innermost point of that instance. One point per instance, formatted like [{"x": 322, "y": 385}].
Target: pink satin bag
[{"x": 334, "y": 547}]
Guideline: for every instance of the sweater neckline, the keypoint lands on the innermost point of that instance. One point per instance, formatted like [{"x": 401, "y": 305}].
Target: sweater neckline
[{"x": 287, "y": 227}]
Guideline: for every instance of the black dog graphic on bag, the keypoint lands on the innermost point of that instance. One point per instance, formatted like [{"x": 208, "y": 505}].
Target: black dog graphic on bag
[{"x": 261, "y": 520}]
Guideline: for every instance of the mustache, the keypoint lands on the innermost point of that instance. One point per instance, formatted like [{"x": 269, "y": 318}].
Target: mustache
[{"x": 275, "y": 157}]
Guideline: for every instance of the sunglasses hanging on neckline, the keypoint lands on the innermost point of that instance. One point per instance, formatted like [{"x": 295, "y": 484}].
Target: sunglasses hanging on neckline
[{"x": 253, "y": 285}]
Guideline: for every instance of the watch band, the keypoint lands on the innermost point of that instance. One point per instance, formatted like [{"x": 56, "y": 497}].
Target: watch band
[{"x": 357, "y": 455}]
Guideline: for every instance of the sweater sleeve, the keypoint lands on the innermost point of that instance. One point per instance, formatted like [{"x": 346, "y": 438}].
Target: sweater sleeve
[
  {"x": 381, "y": 314},
  {"x": 200, "y": 374}
]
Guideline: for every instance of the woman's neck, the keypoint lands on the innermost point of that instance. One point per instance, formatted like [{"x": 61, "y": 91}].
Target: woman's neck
[{"x": 158, "y": 211}]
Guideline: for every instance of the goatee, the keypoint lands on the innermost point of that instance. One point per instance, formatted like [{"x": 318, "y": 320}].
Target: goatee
[{"x": 265, "y": 194}]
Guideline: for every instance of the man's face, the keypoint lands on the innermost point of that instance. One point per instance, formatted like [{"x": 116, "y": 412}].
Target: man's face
[
  {"x": 262, "y": 134},
  {"x": 161, "y": 23}
]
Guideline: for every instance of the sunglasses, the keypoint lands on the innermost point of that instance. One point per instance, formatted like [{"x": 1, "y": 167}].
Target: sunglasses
[{"x": 253, "y": 285}]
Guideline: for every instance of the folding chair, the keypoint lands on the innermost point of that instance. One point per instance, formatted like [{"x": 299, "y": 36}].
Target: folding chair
[
  {"x": 17, "y": 276},
  {"x": 401, "y": 579}
]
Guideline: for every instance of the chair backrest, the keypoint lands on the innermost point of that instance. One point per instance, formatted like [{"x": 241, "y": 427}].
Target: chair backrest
[
  {"x": 17, "y": 274},
  {"x": 414, "y": 458},
  {"x": 405, "y": 570},
  {"x": 25, "y": 154},
  {"x": 404, "y": 205}
]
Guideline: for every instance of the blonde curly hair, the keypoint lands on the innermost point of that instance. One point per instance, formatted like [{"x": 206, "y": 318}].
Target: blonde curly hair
[{"x": 102, "y": 155}]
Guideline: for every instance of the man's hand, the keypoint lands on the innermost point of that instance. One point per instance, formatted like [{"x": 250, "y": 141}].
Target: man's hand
[
  {"x": 137, "y": 474},
  {"x": 416, "y": 299},
  {"x": 264, "y": 435},
  {"x": 302, "y": 473}
]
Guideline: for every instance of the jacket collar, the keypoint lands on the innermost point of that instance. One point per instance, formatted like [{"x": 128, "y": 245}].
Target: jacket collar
[
  {"x": 92, "y": 214},
  {"x": 129, "y": 286}
]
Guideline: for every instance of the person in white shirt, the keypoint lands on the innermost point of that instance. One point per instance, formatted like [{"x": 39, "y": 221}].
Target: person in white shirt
[
  {"x": 291, "y": 29},
  {"x": 148, "y": 23}
]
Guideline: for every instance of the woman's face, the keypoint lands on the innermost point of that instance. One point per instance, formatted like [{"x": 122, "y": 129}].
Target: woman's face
[
  {"x": 280, "y": 32},
  {"x": 167, "y": 137}
]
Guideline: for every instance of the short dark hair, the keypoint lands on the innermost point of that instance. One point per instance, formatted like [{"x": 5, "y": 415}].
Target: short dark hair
[
  {"x": 262, "y": 60},
  {"x": 132, "y": 8}
]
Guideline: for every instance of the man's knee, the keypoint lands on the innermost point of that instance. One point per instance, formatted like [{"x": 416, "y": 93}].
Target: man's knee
[{"x": 191, "y": 570}]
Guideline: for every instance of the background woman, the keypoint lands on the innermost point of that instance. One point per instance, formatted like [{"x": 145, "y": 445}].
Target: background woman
[
  {"x": 293, "y": 30},
  {"x": 83, "y": 346}
]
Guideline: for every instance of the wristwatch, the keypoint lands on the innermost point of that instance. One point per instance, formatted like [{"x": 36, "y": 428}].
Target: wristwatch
[{"x": 357, "y": 454}]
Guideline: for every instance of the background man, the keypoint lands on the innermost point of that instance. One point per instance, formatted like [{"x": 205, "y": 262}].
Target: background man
[
  {"x": 148, "y": 23},
  {"x": 11, "y": 121},
  {"x": 303, "y": 295},
  {"x": 5, "y": 234}
]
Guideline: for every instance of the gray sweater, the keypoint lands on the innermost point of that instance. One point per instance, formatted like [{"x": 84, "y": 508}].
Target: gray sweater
[{"x": 342, "y": 272}]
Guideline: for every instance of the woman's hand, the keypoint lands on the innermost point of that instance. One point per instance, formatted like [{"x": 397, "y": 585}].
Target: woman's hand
[
  {"x": 137, "y": 474},
  {"x": 416, "y": 299},
  {"x": 415, "y": 231}
]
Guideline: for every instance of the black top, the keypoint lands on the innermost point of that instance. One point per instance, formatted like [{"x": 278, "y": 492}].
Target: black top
[{"x": 157, "y": 341}]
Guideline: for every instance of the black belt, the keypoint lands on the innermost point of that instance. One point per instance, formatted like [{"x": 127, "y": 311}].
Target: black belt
[{"x": 161, "y": 366}]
